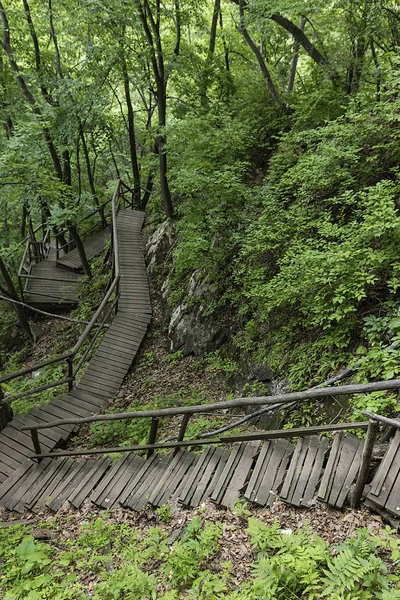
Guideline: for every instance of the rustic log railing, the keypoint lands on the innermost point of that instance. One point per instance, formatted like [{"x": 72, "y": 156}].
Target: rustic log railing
[
  {"x": 372, "y": 426},
  {"x": 104, "y": 211},
  {"x": 36, "y": 250},
  {"x": 73, "y": 360}
]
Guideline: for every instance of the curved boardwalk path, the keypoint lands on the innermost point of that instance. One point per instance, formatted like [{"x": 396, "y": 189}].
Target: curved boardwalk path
[
  {"x": 299, "y": 473},
  {"x": 106, "y": 370}
]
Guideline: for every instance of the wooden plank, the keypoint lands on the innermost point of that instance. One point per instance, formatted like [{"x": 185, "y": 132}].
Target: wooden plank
[
  {"x": 393, "y": 501},
  {"x": 175, "y": 481},
  {"x": 258, "y": 471},
  {"x": 49, "y": 436},
  {"x": 107, "y": 376},
  {"x": 18, "y": 474},
  {"x": 73, "y": 408},
  {"x": 10, "y": 456},
  {"x": 323, "y": 492},
  {"x": 221, "y": 456},
  {"x": 305, "y": 472},
  {"x": 17, "y": 437},
  {"x": 348, "y": 450},
  {"x": 391, "y": 477},
  {"x": 120, "y": 480},
  {"x": 350, "y": 476},
  {"x": 195, "y": 475},
  {"x": 40, "y": 484},
  {"x": 227, "y": 472},
  {"x": 140, "y": 496},
  {"x": 387, "y": 460},
  {"x": 87, "y": 397},
  {"x": 165, "y": 478},
  {"x": 315, "y": 476},
  {"x": 88, "y": 483},
  {"x": 266, "y": 487},
  {"x": 94, "y": 389},
  {"x": 11, "y": 499},
  {"x": 55, "y": 483},
  {"x": 101, "y": 490},
  {"x": 134, "y": 481},
  {"x": 239, "y": 477},
  {"x": 65, "y": 487},
  {"x": 292, "y": 468}
]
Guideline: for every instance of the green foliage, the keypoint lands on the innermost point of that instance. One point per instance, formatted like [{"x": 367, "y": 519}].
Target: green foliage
[
  {"x": 146, "y": 565},
  {"x": 165, "y": 513}
]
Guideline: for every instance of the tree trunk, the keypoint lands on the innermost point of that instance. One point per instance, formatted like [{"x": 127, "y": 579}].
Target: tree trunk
[
  {"x": 81, "y": 250},
  {"x": 13, "y": 294},
  {"x": 162, "y": 154},
  {"x": 260, "y": 59},
  {"x": 131, "y": 134},
  {"x": 295, "y": 59},
  {"x": 147, "y": 191},
  {"x": 6, "y": 413},
  {"x": 205, "y": 78}
]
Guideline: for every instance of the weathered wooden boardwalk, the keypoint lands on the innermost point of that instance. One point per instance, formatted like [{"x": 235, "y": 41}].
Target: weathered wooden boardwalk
[
  {"x": 258, "y": 471},
  {"x": 93, "y": 245},
  {"x": 107, "y": 368},
  {"x": 312, "y": 468},
  {"x": 48, "y": 285}
]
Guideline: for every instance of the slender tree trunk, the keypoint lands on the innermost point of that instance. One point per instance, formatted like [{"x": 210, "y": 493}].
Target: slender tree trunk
[
  {"x": 226, "y": 49},
  {"x": 131, "y": 134},
  {"x": 260, "y": 59},
  {"x": 162, "y": 153},
  {"x": 205, "y": 78},
  {"x": 295, "y": 58},
  {"x": 147, "y": 191},
  {"x": 81, "y": 250},
  {"x": 24, "y": 215},
  {"x": 6, "y": 412},
  {"x": 13, "y": 294}
]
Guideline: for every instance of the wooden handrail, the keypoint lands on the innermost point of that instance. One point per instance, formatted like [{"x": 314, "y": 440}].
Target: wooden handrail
[
  {"x": 380, "y": 419},
  {"x": 69, "y": 356},
  {"x": 236, "y": 403},
  {"x": 227, "y": 439}
]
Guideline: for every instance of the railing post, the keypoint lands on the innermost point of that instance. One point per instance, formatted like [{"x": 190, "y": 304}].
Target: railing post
[
  {"x": 182, "y": 430},
  {"x": 36, "y": 443},
  {"x": 70, "y": 375},
  {"x": 152, "y": 435},
  {"x": 21, "y": 288},
  {"x": 372, "y": 430}
]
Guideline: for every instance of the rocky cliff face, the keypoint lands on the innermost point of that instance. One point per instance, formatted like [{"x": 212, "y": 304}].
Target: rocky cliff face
[{"x": 190, "y": 329}]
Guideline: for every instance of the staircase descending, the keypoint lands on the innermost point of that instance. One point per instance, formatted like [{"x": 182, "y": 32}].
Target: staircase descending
[
  {"x": 49, "y": 285},
  {"x": 259, "y": 468},
  {"x": 107, "y": 367}
]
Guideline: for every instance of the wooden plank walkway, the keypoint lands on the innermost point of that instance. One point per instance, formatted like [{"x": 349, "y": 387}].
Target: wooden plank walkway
[
  {"x": 106, "y": 370},
  {"x": 49, "y": 285},
  {"x": 260, "y": 472},
  {"x": 94, "y": 245},
  {"x": 314, "y": 468}
]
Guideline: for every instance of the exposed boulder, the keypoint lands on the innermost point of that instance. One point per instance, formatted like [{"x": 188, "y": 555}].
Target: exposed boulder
[
  {"x": 193, "y": 332},
  {"x": 159, "y": 252}
]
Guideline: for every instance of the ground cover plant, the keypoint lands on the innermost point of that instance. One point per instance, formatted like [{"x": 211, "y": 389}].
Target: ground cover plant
[{"x": 110, "y": 560}]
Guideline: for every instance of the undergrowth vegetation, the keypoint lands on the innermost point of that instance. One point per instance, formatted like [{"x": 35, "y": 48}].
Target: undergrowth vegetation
[
  {"x": 57, "y": 341},
  {"x": 306, "y": 250},
  {"x": 110, "y": 561}
]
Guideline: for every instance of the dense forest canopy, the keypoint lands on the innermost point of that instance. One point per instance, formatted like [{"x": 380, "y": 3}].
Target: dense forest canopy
[{"x": 269, "y": 132}]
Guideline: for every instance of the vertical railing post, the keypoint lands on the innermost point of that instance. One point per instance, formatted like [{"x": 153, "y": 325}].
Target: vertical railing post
[
  {"x": 152, "y": 435},
  {"x": 21, "y": 288},
  {"x": 70, "y": 375},
  {"x": 182, "y": 430},
  {"x": 36, "y": 443},
  {"x": 373, "y": 428}
]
